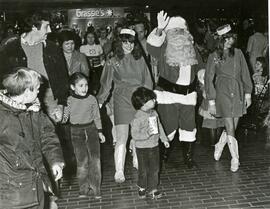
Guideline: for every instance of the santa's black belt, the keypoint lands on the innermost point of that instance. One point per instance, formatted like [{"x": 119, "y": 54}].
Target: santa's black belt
[{"x": 175, "y": 88}]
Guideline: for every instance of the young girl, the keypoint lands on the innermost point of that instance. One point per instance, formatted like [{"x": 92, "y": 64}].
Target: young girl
[
  {"x": 260, "y": 75},
  {"x": 146, "y": 130},
  {"x": 86, "y": 129},
  {"x": 94, "y": 52}
]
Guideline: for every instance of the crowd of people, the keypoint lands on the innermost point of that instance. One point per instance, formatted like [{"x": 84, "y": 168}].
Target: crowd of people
[{"x": 146, "y": 80}]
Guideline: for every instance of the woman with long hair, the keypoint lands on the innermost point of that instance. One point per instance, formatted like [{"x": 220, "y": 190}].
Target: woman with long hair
[
  {"x": 228, "y": 88},
  {"x": 128, "y": 71}
]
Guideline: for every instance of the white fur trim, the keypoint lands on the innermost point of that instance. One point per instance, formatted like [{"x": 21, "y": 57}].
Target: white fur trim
[
  {"x": 155, "y": 40},
  {"x": 184, "y": 75},
  {"x": 171, "y": 135},
  {"x": 176, "y": 22},
  {"x": 223, "y": 29},
  {"x": 127, "y": 31},
  {"x": 212, "y": 102},
  {"x": 165, "y": 97},
  {"x": 200, "y": 75},
  {"x": 187, "y": 136}
]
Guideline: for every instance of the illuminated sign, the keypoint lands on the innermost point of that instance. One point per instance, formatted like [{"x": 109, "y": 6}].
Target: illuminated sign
[
  {"x": 90, "y": 13},
  {"x": 82, "y": 18}
]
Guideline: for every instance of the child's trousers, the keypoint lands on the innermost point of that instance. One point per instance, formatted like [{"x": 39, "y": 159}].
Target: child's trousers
[
  {"x": 148, "y": 167},
  {"x": 86, "y": 146}
]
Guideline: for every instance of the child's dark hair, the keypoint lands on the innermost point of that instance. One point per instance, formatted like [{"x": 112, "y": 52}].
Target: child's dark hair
[
  {"x": 263, "y": 62},
  {"x": 75, "y": 77},
  {"x": 142, "y": 95}
]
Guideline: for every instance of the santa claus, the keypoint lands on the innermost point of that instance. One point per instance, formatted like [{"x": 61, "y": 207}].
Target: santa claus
[{"x": 172, "y": 44}]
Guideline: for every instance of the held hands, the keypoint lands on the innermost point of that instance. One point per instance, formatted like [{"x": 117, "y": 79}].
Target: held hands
[
  {"x": 57, "y": 170},
  {"x": 102, "y": 138},
  {"x": 162, "y": 20},
  {"x": 57, "y": 113},
  {"x": 212, "y": 109},
  {"x": 166, "y": 144}
]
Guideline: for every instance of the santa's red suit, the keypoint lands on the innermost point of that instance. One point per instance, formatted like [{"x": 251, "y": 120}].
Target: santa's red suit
[{"x": 176, "y": 96}]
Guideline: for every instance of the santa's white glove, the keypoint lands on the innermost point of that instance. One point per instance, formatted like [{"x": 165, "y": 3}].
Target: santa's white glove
[
  {"x": 162, "y": 20},
  {"x": 57, "y": 170}
]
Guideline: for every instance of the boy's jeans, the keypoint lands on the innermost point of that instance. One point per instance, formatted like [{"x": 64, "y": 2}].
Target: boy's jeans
[
  {"x": 148, "y": 170},
  {"x": 87, "y": 152}
]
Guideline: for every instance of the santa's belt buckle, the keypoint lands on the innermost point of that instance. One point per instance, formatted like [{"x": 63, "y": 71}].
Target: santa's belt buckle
[
  {"x": 181, "y": 90},
  {"x": 175, "y": 88}
]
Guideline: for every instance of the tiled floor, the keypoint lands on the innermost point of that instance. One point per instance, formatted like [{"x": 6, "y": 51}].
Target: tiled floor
[{"x": 211, "y": 185}]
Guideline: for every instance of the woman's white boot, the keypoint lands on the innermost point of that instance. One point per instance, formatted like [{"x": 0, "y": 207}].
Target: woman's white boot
[
  {"x": 220, "y": 145},
  {"x": 119, "y": 160},
  {"x": 233, "y": 147}
]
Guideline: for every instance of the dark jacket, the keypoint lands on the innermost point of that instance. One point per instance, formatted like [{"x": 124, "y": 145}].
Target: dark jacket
[
  {"x": 12, "y": 55},
  {"x": 25, "y": 138}
]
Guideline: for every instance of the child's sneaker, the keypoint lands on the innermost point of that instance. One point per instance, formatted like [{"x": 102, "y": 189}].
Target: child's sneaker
[
  {"x": 97, "y": 195},
  {"x": 142, "y": 193},
  {"x": 83, "y": 195},
  {"x": 155, "y": 194}
]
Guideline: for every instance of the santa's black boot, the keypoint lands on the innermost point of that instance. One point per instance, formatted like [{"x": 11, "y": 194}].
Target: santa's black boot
[{"x": 188, "y": 148}]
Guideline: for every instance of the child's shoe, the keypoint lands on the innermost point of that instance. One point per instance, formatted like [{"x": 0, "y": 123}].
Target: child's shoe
[
  {"x": 97, "y": 197},
  {"x": 83, "y": 194},
  {"x": 155, "y": 194},
  {"x": 142, "y": 193}
]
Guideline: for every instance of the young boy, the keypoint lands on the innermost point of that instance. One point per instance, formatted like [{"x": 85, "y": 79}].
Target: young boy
[
  {"x": 26, "y": 136},
  {"x": 146, "y": 130}
]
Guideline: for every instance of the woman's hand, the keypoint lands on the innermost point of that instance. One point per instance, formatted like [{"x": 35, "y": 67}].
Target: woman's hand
[
  {"x": 162, "y": 20},
  {"x": 102, "y": 138},
  {"x": 247, "y": 100},
  {"x": 212, "y": 109}
]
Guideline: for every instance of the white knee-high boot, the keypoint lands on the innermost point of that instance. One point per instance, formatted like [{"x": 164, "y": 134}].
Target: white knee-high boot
[
  {"x": 220, "y": 145},
  {"x": 233, "y": 147},
  {"x": 119, "y": 160},
  {"x": 132, "y": 147}
]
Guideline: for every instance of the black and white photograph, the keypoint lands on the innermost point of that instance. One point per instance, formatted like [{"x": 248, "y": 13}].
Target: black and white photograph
[{"x": 125, "y": 104}]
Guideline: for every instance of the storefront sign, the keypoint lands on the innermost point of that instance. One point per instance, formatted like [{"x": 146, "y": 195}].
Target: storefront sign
[
  {"x": 81, "y": 19},
  {"x": 96, "y": 13},
  {"x": 90, "y": 13}
]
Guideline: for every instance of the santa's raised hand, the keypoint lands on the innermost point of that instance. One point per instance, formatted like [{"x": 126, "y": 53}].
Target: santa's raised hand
[{"x": 162, "y": 20}]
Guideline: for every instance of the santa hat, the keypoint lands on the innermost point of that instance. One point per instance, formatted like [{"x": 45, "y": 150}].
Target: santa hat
[
  {"x": 176, "y": 22},
  {"x": 223, "y": 29},
  {"x": 127, "y": 31}
]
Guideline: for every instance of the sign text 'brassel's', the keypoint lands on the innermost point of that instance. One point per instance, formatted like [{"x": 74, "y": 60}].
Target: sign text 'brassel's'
[{"x": 93, "y": 13}]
